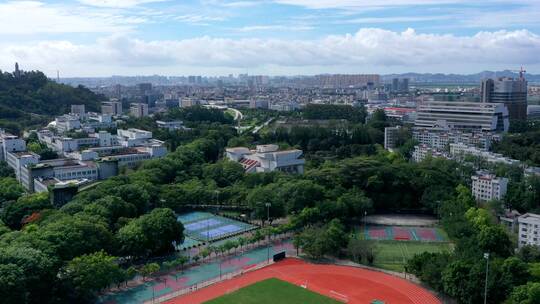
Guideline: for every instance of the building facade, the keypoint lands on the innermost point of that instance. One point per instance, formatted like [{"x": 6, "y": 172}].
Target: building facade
[
  {"x": 267, "y": 158},
  {"x": 529, "y": 230},
  {"x": 487, "y": 187},
  {"x": 462, "y": 116},
  {"x": 508, "y": 91}
]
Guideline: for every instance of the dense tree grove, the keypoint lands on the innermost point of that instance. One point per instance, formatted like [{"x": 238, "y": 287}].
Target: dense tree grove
[
  {"x": 327, "y": 111},
  {"x": 523, "y": 146}
]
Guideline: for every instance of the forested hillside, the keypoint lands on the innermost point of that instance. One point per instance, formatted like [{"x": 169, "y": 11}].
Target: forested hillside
[{"x": 32, "y": 99}]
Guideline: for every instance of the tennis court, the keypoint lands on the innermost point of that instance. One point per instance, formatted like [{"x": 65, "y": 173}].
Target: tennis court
[
  {"x": 205, "y": 226},
  {"x": 400, "y": 233}
]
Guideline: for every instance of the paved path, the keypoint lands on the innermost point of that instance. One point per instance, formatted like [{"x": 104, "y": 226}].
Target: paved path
[{"x": 194, "y": 275}]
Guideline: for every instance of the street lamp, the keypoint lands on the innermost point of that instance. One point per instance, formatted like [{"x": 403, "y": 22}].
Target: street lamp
[
  {"x": 268, "y": 235},
  {"x": 486, "y": 256}
]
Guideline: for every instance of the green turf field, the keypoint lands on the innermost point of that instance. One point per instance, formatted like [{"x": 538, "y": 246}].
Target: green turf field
[
  {"x": 393, "y": 255},
  {"x": 272, "y": 291}
]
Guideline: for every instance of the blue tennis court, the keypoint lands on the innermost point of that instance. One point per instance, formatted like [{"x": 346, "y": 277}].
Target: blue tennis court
[{"x": 204, "y": 226}]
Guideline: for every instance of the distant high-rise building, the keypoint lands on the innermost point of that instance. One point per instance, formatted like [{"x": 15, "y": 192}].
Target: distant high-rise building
[
  {"x": 112, "y": 107},
  {"x": 512, "y": 92},
  {"x": 138, "y": 110},
  {"x": 400, "y": 85},
  {"x": 144, "y": 87},
  {"x": 395, "y": 84}
]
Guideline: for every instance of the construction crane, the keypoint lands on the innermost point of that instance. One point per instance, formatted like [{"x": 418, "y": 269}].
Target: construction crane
[{"x": 521, "y": 72}]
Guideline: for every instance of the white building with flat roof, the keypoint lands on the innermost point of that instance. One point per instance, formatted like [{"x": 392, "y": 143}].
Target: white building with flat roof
[
  {"x": 267, "y": 158},
  {"x": 463, "y": 116},
  {"x": 529, "y": 230},
  {"x": 487, "y": 186}
]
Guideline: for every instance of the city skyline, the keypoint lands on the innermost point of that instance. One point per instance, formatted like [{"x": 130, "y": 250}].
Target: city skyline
[{"x": 99, "y": 38}]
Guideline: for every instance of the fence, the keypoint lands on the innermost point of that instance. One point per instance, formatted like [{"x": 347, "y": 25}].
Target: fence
[{"x": 192, "y": 288}]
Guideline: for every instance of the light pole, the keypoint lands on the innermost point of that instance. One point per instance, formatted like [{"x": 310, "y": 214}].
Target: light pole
[
  {"x": 268, "y": 235},
  {"x": 486, "y": 256}
]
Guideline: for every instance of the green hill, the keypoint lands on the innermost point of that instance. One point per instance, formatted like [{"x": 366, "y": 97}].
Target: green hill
[{"x": 32, "y": 100}]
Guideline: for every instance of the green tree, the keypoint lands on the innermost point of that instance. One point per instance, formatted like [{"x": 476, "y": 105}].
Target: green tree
[
  {"x": 14, "y": 212},
  {"x": 12, "y": 284},
  {"x": 90, "y": 273},
  {"x": 151, "y": 233},
  {"x": 525, "y": 294},
  {"x": 11, "y": 189},
  {"x": 149, "y": 270}
]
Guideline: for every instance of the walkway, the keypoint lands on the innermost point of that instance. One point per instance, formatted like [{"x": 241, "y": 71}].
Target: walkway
[{"x": 194, "y": 275}]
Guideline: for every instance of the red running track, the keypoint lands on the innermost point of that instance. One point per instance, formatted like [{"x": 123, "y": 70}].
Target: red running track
[{"x": 358, "y": 284}]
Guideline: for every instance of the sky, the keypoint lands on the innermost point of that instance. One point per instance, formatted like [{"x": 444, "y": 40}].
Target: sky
[{"x": 86, "y": 38}]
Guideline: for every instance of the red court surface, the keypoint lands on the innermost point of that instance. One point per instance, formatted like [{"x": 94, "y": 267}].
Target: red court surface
[{"x": 347, "y": 284}]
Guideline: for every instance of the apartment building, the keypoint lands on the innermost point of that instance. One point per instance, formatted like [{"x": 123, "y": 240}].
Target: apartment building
[
  {"x": 390, "y": 137},
  {"x": 529, "y": 230},
  {"x": 460, "y": 151},
  {"x": 422, "y": 151},
  {"x": 267, "y": 158},
  {"x": 487, "y": 186},
  {"x": 441, "y": 139}
]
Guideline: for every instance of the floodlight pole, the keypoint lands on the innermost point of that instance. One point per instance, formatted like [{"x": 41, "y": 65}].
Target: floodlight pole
[
  {"x": 268, "y": 235},
  {"x": 486, "y": 256}
]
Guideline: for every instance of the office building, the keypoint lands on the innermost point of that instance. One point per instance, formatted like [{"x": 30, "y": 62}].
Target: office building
[
  {"x": 113, "y": 108},
  {"x": 66, "y": 123},
  {"x": 529, "y": 230},
  {"x": 267, "y": 158},
  {"x": 487, "y": 187},
  {"x": 509, "y": 91},
  {"x": 10, "y": 143},
  {"x": 400, "y": 85},
  {"x": 463, "y": 116},
  {"x": 138, "y": 110},
  {"x": 78, "y": 110}
]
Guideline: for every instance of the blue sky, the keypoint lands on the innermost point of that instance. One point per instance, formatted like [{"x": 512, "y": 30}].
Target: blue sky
[{"x": 277, "y": 37}]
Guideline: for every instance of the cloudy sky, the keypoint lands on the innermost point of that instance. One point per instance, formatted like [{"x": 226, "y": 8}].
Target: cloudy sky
[{"x": 275, "y": 37}]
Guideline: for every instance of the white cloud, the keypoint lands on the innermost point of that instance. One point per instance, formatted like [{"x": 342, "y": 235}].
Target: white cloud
[
  {"x": 258, "y": 28},
  {"x": 342, "y": 4},
  {"x": 403, "y": 19},
  {"x": 33, "y": 17},
  {"x": 117, "y": 3},
  {"x": 372, "y": 48}
]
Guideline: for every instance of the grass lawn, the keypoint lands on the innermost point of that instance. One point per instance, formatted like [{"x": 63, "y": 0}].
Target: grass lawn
[
  {"x": 272, "y": 291},
  {"x": 393, "y": 255}
]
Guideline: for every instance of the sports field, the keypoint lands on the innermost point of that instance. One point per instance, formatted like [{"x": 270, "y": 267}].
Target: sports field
[
  {"x": 394, "y": 245},
  {"x": 272, "y": 291},
  {"x": 393, "y": 255},
  {"x": 345, "y": 284}
]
